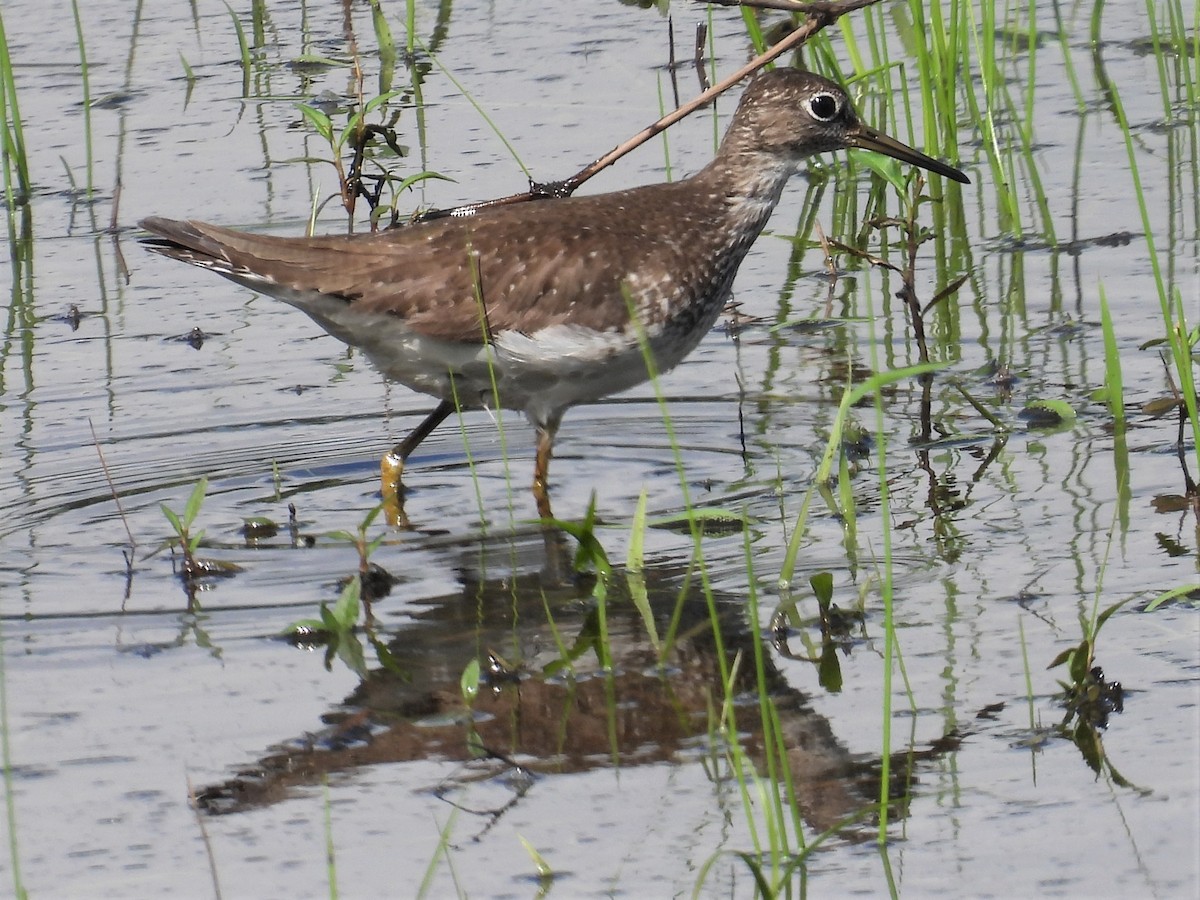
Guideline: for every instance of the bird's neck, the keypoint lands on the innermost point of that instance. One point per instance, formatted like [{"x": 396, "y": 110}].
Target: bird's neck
[{"x": 747, "y": 186}]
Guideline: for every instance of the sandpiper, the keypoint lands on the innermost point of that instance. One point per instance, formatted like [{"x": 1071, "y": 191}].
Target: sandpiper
[{"x": 538, "y": 306}]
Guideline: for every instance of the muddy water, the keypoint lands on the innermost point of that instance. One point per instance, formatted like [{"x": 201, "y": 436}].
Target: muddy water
[{"x": 119, "y": 702}]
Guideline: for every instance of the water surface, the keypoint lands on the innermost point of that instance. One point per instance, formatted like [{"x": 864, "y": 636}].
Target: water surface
[{"x": 119, "y": 703}]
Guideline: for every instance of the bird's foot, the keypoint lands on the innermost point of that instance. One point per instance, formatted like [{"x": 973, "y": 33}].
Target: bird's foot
[{"x": 391, "y": 467}]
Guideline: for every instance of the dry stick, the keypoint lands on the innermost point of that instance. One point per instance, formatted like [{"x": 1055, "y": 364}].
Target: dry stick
[
  {"x": 784, "y": 5},
  {"x": 698, "y": 55},
  {"x": 979, "y": 407},
  {"x": 112, "y": 489},
  {"x": 878, "y": 261},
  {"x": 826, "y": 249},
  {"x": 114, "y": 230},
  {"x": 909, "y": 290},
  {"x": 116, "y": 206},
  {"x": 672, "y": 63},
  {"x": 350, "y": 191},
  {"x": 208, "y": 849},
  {"x": 820, "y": 16}
]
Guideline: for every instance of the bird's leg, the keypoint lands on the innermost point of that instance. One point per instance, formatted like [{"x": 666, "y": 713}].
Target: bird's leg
[
  {"x": 391, "y": 466},
  {"x": 541, "y": 469},
  {"x": 557, "y": 571}
]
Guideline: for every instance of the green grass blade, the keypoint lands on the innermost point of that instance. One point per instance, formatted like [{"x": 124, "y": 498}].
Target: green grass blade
[
  {"x": 387, "y": 47},
  {"x": 87, "y": 97},
  {"x": 1113, "y": 385},
  {"x": 14, "y": 133},
  {"x": 243, "y": 50}
]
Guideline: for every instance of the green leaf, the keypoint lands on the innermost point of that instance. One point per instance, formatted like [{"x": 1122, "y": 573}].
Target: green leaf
[
  {"x": 589, "y": 551},
  {"x": 1113, "y": 384},
  {"x": 1048, "y": 413},
  {"x": 308, "y": 160},
  {"x": 641, "y": 602},
  {"x": 172, "y": 518},
  {"x": 1088, "y": 742},
  {"x": 419, "y": 177},
  {"x": 829, "y": 669},
  {"x": 312, "y": 60},
  {"x": 319, "y": 121},
  {"x": 705, "y": 514},
  {"x": 890, "y": 170},
  {"x": 468, "y": 682},
  {"x": 1080, "y": 661},
  {"x": 371, "y": 516},
  {"x": 635, "y": 558},
  {"x": 1166, "y": 596},
  {"x": 378, "y": 100},
  {"x": 588, "y": 637},
  {"x": 1061, "y": 658},
  {"x": 1121, "y": 781},
  {"x": 195, "y": 501},
  {"x": 822, "y": 585},
  {"x": 387, "y": 659},
  {"x": 539, "y": 862},
  {"x": 345, "y": 611},
  {"x": 351, "y": 127},
  {"x": 350, "y": 651}
]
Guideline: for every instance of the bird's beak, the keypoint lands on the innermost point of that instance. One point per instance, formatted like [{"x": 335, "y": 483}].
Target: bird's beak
[{"x": 869, "y": 139}]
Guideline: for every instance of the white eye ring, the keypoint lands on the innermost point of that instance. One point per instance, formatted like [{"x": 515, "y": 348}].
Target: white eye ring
[{"x": 823, "y": 99}]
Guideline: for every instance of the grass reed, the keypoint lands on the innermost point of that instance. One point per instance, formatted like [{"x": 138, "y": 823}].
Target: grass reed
[
  {"x": 1114, "y": 388},
  {"x": 410, "y": 28},
  {"x": 10, "y": 806},
  {"x": 1179, "y": 335},
  {"x": 386, "y": 45},
  {"x": 330, "y": 845},
  {"x": 258, "y": 23},
  {"x": 86, "y": 81},
  {"x": 441, "y": 852},
  {"x": 17, "y": 186},
  {"x": 244, "y": 44}
]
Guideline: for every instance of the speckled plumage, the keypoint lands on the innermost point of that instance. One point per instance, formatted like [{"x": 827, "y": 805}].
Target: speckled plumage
[{"x": 541, "y": 291}]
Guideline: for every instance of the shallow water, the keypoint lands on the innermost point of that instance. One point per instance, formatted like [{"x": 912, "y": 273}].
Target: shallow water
[{"x": 119, "y": 703}]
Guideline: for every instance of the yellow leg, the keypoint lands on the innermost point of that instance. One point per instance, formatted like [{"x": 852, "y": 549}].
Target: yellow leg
[
  {"x": 541, "y": 468},
  {"x": 391, "y": 466}
]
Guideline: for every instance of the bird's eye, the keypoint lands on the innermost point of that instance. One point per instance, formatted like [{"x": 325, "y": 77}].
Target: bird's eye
[{"x": 823, "y": 106}]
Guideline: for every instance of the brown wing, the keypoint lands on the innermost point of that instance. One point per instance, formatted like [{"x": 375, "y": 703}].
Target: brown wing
[{"x": 528, "y": 265}]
